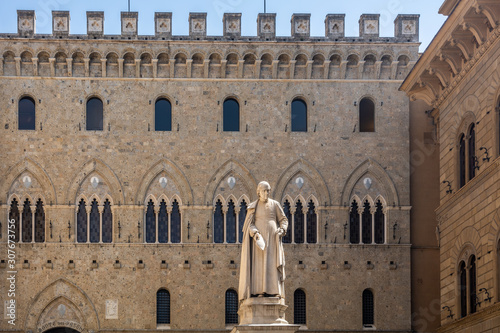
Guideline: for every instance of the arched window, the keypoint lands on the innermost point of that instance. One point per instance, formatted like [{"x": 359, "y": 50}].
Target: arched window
[
  {"x": 231, "y": 115},
  {"x": 107, "y": 222},
  {"x": 241, "y": 219},
  {"x": 231, "y": 307},
  {"x": 39, "y": 222},
  {"x": 162, "y": 307},
  {"x": 461, "y": 162},
  {"x": 218, "y": 223},
  {"x": 27, "y": 220},
  {"x": 81, "y": 223},
  {"x": 472, "y": 285},
  {"x": 163, "y": 222},
  {"x": 312, "y": 223},
  {"x": 163, "y": 115},
  {"x": 472, "y": 152},
  {"x": 288, "y": 214},
  {"x": 299, "y": 116},
  {"x": 94, "y": 222},
  {"x": 368, "y": 308},
  {"x": 230, "y": 223},
  {"x": 366, "y": 224},
  {"x": 298, "y": 218},
  {"x": 14, "y": 215},
  {"x": 463, "y": 289},
  {"x": 498, "y": 269},
  {"x": 26, "y": 114},
  {"x": 299, "y": 307},
  {"x": 175, "y": 223},
  {"x": 354, "y": 223},
  {"x": 94, "y": 118},
  {"x": 150, "y": 223},
  {"x": 379, "y": 223},
  {"x": 366, "y": 115}
]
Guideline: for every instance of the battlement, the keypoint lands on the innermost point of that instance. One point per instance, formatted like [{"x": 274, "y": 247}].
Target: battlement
[{"x": 406, "y": 27}]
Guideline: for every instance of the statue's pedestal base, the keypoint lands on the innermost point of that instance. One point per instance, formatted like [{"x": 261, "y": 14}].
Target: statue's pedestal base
[{"x": 263, "y": 314}]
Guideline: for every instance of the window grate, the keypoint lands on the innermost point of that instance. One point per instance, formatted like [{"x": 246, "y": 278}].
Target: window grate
[
  {"x": 299, "y": 307},
  {"x": 218, "y": 223},
  {"x": 298, "y": 223},
  {"x": 162, "y": 307},
  {"x": 366, "y": 221},
  {"x": 231, "y": 307},
  {"x": 368, "y": 308},
  {"x": 354, "y": 223},
  {"x": 162, "y": 223},
  {"x": 150, "y": 223},
  {"x": 39, "y": 222},
  {"x": 107, "y": 222},
  {"x": 231, "y": 223},
  {"x": 312, "y": 224},
  {"x": 379, "y": 224},
  {"x": 81, "y": 223},
  {"x": 175, "y": 223},
  {"x": 27, "y": 222},
  {"x": 94, "y": 222}
]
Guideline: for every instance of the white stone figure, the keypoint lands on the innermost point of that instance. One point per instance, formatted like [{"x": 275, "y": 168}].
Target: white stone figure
[{"x": 262, "y": 272}]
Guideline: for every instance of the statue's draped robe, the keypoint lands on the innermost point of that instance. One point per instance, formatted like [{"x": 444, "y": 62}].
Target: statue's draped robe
[{"x": 263, "y": 271}]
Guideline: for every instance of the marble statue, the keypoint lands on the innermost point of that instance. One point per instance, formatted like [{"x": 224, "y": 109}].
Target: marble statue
[{"x": 262, "y": 272}]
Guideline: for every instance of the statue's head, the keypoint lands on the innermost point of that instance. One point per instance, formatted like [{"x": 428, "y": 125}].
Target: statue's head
[{"x": 263, "y": 190}]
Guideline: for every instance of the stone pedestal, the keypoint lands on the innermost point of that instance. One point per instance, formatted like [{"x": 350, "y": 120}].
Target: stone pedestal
[{"x": 263, "y": 314}]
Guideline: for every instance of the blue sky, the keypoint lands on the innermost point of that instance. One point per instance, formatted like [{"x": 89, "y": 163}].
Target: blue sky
[{"x": 430, "y": 20}]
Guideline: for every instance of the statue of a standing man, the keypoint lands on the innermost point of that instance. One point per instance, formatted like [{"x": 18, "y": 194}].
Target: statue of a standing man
[{"x": 262, "y": 272}]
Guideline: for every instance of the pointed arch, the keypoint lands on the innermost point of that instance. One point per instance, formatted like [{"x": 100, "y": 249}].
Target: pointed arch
[
  {"x": 220, "y": 198},
  {"x": 102, "y": 169},
  {"x": 152, "y": 198},
  {"x": 227, "y": 168},
  {"x": 371, "y": 167},
  {"x": 62, "y": 289},
  {"x": 37, "y": 172},
  {"x": 241, "y": 198},
  {"x": 302, "y": 166},
  {"x": 468, "y": 237},
  {"x": 174, "y": 173}
]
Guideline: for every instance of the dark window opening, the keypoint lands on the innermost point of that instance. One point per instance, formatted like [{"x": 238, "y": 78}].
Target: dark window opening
[
  {"x": 299, "y": 307},
  {"x": 312, "y": 223},
  {"x": 366, "y": 115},
  {"x": 163, "y": 115},
  {"x": 298, "y": 223},
  {"x": 463, "y": 290},
  {"x": 26, "y": 114},
  {"x": 354, "y": 223},
  {"x": 231, "y": 116},
  {"x": 27, "y": 219},
  {"x": 218, "y": 223},
  {"x": 150, "y": 223},
  {"x": 462, "y": 160},
  {"x": 366, "y": 224},
  {"x": 472, "y": 285},
  {"x": 163, "y": 222},
  {"x": 175, "y": 223},
  {"x": 94, "y": 223},
  {"x": 299, "y": 116},
  {"x": 107, "y": 222},
  {"x": 231, "y": 223},
  {"x": 379, "y": 223},
  {"x": 14, "y": 215},
  {"x": 162, "y": 307},
  {"x": 241, "y": 219},
  {"x": 286, "y": 209},
  {"x": 472, "y": 152},
  {"x": 39, "y": 222},
  {"x": 231, "y": 307},
  {"x": 81, "y": 223},
  {"x": 94, "y": 114},
  {"x": 368, "y": 308}
]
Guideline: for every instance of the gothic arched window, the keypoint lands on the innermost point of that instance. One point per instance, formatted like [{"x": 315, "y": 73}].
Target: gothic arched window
[
  {"x": 175, "y": 223},
  {"x": 94, "y": 119},
  {"x": 81, "y": 223},
  {"x": 461, "y": 160},
  {"x": 379, "y": 223},
  {"x": 473, "y": 298},
  {"x": 107, "y": 222},
  {"x": 299, "y": 307},
  {"x": 163, "y": 115},
  {"x": 463, "y": 289},
  {"x": 241, "y": 219},
  {"x": 163, "y": 222},
  {"x": 231, "y": 115},
  {"x": 14, "y": 215},
  {"x": 354, "y": 223},
  {"x": 231, "y": 307},
  {"x": 27, "y": 219},
  {"x": 39, "y": 222},
  {"x": 288, "y": 214},
  {"x": 366, "y": 224},
  {"x": 298, "y": 231},
  {"x": 299, "y": 116},
  {"x": 472, "y": 152},
  {"x": 368, "y": 308},
  {"x": 312, "y": 223},
  {"x": 26, "y": 114},
  {"x": 162, "y": 307},
  {"x": 218, "y": 223},
  {"x": 366, "y": 115},
  {"x": 150, "y": 223},
  {"x": 230, "y": 223},
  {"x": 94, "y": 222}
]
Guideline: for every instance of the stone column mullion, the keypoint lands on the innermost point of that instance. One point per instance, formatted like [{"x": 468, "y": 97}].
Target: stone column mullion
[
  {"x": 172, "y": 68},
  {"x": 137, "y": 68},
  {"x": 292, "y": 69},
  {"x": 394, "y": 69},
  {"x": 292, "y": 229},
  {"x": 169, "y": 220},
  {"x": 87, "y": 210},
  {"x": 69, "y": 65},
  {"x": 87, "y": 66},
  {"x": 326, "y": 69},
  {"x": 378, "y": 66},
  {"x": 103, "y": 64},
  {"x": 237, "y": 212},
  {"x": 1, "y": 66},
  {"x": 275, "y": 66},
  {"x": 18, "y": 65},
  {"x": 361, "y": 68},
  {"x": 223, "y": 65},
  {"x": 309, "y": 67},
  {"x": 360, "y": 214},
  {"x": 154, "y": 62},
  {"x": 52, "y": 64},
  {"x": 33, "y": 208},
  {"x": 156, "y": 225},
  {"x": 343, "y": 69},
  {"x": 224, "y": 211},
  {"x": 256, "y": 72},
  {"x": 100, "y": 209},
  {"x": 304, "y": 221},
  {"x": 120, "y": 67},
  {"x": 35, "y": 66},
  {"x": 189, "y": 68},
  {"x": 206, "y": 68}
]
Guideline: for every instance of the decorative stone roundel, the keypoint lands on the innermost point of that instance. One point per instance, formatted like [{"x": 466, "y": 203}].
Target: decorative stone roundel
[
  {"x": 163, "y": 182},
  {"x": 27, "y": 181},
  {"x": 94, "y": 181},
  {"x": 367, "y": 182},
  {"x": 299, "y": 182},
  {"x": 231, "y": 181}
]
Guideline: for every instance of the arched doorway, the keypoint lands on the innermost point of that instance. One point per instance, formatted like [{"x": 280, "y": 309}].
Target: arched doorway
[{"x": 61, "y": 330}]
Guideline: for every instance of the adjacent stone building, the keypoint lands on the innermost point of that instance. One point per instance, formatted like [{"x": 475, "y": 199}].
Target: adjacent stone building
[
  {"x": 128, "y": 162},
  {"x": 458, "y": 77}
]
